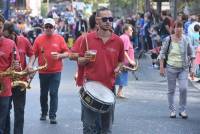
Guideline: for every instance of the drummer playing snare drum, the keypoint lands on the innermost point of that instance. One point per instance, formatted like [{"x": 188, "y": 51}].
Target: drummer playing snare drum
[{"x": 109, "y": 55}]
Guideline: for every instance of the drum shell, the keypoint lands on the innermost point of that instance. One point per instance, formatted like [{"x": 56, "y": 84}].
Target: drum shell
[{"x": 93, "y": 103}]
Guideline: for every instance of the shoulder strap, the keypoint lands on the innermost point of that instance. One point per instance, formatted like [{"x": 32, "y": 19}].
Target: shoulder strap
[
  {"x": 167, "y": 52},
  {"x": 170, "y": 40}
]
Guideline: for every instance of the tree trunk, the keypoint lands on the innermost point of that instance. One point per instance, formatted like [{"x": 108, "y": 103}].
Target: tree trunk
[
  {"x": 147, "y": 5},
  {"x": 173, "y": 7}
]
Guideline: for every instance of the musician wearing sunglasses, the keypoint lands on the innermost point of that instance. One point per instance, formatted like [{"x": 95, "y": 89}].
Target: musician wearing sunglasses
[
  {"x": 52, "y": 47},
  {"x": 7, "y": 57},
  {"x": 109, "y": 51},
  {"x": 18, "y": 91}
]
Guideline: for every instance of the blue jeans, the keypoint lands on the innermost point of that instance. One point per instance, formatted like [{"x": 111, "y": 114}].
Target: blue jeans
[
  {"x": 4, "y": 108},
  {"x": 19, "y": 99},
  {"x": 122, "y": 79},
  {"x": 180, "y": 75},
  {"x": 49, "y": 83}
]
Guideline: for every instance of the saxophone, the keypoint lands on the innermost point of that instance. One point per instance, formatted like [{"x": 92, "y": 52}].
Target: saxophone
[
  {"x": 16, "y": 76},
  {"x": 131, "y": 67},
  {"x": 26, "y": 84}
]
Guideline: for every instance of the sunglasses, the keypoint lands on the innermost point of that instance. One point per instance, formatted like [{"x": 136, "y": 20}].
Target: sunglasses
[
  {"x": 48, "y": 26},
  {"x": 105, "y": 19}
]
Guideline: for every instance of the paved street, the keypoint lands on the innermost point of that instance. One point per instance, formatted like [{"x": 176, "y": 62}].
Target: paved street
[{"x": 144, "y": 111}]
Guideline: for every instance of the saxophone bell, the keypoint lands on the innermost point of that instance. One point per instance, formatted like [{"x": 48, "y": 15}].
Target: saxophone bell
[
  {"x": 26, "y": 84},
  {"x": 22, "y": 84},
  {"x": 131, "y": 67}
]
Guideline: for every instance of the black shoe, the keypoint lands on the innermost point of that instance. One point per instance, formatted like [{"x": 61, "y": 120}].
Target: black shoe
[
  {"x": 43, "y": 118},
  {"x": 53, "y": 121},
  {"x": 183, "y": 115}
]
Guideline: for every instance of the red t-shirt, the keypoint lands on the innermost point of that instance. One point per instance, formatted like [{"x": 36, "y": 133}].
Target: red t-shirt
[
  {"x": 6, "y": 57},
  {"x": 25, "y": 49},
  {"x": 128, "y": 47},
  {"x": 54, "y": 43},
  {"x": 80, "y": 71},
  {"x": 108, "y": 56}
]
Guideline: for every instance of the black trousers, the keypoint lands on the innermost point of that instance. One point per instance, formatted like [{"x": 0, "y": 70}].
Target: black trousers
[
  {"x": 19, "y": 99},
  {"x": 95, "y": 122},
  {"x": 4, "y": 108}
]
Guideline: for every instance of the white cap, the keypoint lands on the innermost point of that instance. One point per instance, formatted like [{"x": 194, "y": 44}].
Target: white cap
[{"x": 49, "y": 21}]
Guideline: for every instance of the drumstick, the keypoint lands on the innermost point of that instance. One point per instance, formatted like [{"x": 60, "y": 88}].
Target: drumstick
[{"x": 85, "y": 35}]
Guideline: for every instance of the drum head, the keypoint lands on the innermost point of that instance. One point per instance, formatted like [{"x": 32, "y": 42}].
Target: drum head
[{"x": 99, "y": 91}]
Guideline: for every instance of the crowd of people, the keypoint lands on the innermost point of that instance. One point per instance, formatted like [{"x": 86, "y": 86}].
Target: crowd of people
[{"x": 106, "y": 45}]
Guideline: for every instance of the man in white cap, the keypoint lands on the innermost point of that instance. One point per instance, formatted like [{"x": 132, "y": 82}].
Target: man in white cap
[{"x": 52, "y": 47}]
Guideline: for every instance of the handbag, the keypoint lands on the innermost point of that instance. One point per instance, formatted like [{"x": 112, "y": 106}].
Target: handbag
[{"x": 167, "y": 52}]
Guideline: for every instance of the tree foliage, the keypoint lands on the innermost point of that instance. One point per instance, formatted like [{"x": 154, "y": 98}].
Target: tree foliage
[
  {"x": 126, "y": 7},
  {"x": 121, "y": 3},
  {"x": 95, "y": 1}
]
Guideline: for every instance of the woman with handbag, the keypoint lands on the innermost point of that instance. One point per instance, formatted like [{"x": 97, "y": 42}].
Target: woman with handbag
[{"x": 178, "y": 52}]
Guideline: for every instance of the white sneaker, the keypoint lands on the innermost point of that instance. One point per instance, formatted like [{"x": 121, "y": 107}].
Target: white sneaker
[
  {"x": 156, "y": 66},
  {"x": 173, "y": 114},
  {"x": 183, "y": 115}
]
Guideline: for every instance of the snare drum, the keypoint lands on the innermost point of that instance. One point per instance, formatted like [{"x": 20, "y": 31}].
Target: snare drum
[{"x": 97, "y": 97}]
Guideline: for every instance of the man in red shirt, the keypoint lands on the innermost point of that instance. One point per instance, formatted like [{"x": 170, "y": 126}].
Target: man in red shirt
[
  {"x": 18, "y": 92},
  {"x": 8, "y": 53},
  {"x": 53, "y": 48},
  {"x": 109, "y": 58}
]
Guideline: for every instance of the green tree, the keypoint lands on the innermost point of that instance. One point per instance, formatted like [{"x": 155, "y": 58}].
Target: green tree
[
  {"x": 194, "y": 6},
  {"x": 126, "y": 7},
  {"x": 95, "y": 1},
  {"x": 44, "y": 9}
]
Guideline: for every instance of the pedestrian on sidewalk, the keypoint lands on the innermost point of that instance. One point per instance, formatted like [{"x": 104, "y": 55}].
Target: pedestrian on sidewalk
[
  {"x": 156, "y": 43},
  {"x": 196, "y": 44},
  {"x": 122, "y": 78},
  {"x": 179, "y": 53}
]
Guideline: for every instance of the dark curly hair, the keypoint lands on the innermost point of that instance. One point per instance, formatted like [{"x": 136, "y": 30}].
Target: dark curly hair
[
  {"x": 9, "y": 26},
  {"x": 2, "y": 19},
  {"x": 92, "y": 21}
]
